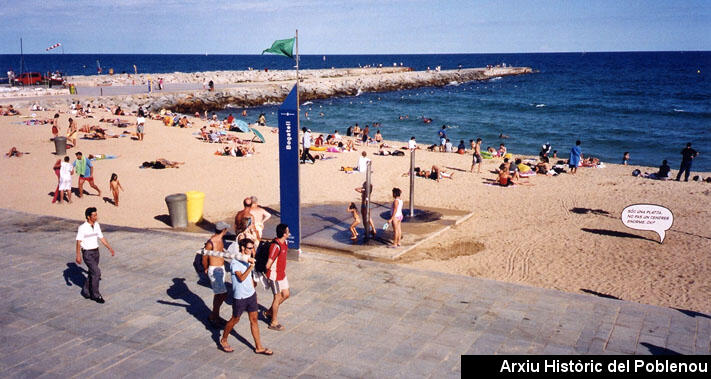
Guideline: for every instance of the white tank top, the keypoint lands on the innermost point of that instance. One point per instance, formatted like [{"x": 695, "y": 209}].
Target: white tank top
[{"x": 398, "y": 208}]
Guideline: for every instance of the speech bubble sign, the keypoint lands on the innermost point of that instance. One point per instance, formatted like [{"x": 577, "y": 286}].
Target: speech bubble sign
[{"x": 648, "y": 217}]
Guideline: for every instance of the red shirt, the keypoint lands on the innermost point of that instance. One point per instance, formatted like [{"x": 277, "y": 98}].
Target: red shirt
[{"x": 277, "y": 253}]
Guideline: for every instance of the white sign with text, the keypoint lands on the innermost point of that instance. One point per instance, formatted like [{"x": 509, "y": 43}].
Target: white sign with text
[{"x": 648, "y": 217}]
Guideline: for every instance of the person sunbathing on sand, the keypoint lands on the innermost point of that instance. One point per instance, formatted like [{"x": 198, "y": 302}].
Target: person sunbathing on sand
[
  {"x": 236, "y": 151},
  {"x": 89, "y": 129},
  {"x": 215, "y": 137},
  {"x": 203, "y": 134},
  {"x": 14, "y": 153},
  {"x": 590, "y": 162},
  {"x": 435, "y": 173},
  {"x": 169, "y": 164},
  {"x": 505, "y": 179},
  {"x": 542, "y": 167},
  {"x": 662, "y": 174},
  {"x": 10, "y": 111}
]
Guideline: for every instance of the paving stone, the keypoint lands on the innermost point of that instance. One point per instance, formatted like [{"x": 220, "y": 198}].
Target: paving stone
[
  {"x": 487, "y": 344},
  {"x": 346, "y": 318},
  {"x": 623, "y": 339}
]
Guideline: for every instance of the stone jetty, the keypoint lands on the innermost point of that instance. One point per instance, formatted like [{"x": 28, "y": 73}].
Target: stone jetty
[{"x": 187, "y": 92}]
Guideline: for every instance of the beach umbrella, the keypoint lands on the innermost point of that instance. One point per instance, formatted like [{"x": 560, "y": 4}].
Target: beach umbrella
[
  {"x": 258, "y": 135},
  {"x": 241, "y": 125}
]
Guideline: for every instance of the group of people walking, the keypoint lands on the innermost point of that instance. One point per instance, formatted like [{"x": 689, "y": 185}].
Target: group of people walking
[
  {"x": 84, "y": 167},
  {"x": 247, "y": 271}
]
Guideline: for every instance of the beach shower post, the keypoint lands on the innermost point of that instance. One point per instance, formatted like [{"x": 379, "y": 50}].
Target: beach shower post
[
  {"x": 368, "y": 193},
  {"x": 412, "y": 183}
]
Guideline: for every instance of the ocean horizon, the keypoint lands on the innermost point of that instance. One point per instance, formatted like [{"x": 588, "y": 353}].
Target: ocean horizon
[{"x": 647, "y": 103}]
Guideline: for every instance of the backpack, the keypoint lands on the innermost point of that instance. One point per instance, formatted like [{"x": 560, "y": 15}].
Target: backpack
[{"x": 262, "y": 255}]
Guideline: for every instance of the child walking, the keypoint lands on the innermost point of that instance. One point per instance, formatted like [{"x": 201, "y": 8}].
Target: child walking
[
  {"x": 115, "y": 186},
  {"x": 396, "y": 217},
  {"x": 356, "y": 220}
]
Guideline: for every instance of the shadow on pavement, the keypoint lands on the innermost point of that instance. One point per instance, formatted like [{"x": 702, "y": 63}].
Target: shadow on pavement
[
  {"x": 74, "y": 274},
  {"x": 656, "y": 350},
  {"x": 197, "y": 308},
  {"x": 692, "y": 313}
]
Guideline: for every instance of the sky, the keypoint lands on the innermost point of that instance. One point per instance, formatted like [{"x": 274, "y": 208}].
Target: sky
[{"x": 354, "y": 26}]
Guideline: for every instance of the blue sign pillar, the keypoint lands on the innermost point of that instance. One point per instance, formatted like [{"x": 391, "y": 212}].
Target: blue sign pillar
[{"x": 289, "y": 167}]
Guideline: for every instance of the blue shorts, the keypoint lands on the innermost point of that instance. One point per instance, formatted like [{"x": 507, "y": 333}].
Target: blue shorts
[{"x": 240, "y": 305}]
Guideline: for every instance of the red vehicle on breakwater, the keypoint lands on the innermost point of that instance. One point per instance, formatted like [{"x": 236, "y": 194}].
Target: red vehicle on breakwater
[
  {"x": 32, "y": 78},
  {"x": 28, "y": 79}
]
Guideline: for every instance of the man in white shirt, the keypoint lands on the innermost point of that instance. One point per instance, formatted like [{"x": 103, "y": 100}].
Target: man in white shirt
[
  {"x": 363, "y": 162},
  {"x": 306, "y": 144},
  {"x": 88, "y": 237},
  {"x": 412, "y": 144}
]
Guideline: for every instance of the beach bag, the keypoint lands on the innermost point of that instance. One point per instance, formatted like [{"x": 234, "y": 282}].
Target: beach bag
[
  {"x": 262, "y": 256},
  {"x": 636, "y": 172}
]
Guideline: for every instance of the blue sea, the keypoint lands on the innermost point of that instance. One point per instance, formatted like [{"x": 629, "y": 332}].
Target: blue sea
[{"x": 647, "y": 103}]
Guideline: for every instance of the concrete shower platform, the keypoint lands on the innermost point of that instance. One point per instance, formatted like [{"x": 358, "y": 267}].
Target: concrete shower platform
[{"x": 324, "y": 228}]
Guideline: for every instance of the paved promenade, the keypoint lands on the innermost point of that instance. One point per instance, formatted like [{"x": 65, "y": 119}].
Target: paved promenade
[{"x": 345, "y": 318}]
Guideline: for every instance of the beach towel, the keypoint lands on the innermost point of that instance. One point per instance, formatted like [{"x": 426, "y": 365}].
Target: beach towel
[
  {"x": 80, "y": 166},
  {"x": 500, "y": 186},
  {"x": 99, "y": 157}
]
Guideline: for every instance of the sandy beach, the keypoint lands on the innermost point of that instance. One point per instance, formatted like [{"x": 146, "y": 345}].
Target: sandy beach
[{"x": 560, "y": 232}]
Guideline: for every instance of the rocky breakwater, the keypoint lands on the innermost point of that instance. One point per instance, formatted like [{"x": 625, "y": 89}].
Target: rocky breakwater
[
  {"x": 186, "y": 92},
  {"x": 321, "y": 87}
]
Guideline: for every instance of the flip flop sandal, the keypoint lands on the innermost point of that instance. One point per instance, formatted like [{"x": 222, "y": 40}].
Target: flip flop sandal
[
  {"x": 264, "y": 352},
  {"x": 226, "y": 348},
  {"x": 278, "y": 327}
]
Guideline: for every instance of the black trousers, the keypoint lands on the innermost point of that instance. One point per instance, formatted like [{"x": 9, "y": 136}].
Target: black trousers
[
  {"x": 91, "y": 286},
  {"x": 684, "y": 168},
  {"x": 306, "y": 155}
]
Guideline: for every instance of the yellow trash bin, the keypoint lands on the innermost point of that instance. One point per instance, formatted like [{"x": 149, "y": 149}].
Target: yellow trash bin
[{"x": 196, "y": 201}]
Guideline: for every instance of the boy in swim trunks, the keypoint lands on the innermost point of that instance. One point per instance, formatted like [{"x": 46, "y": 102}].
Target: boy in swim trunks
[
  {"x": 477, "y": 158},
  {"x": 85, "y": 168}
]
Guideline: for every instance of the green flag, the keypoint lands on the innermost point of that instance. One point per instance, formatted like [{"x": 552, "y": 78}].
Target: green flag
[{"x": 283, "y": 47}]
